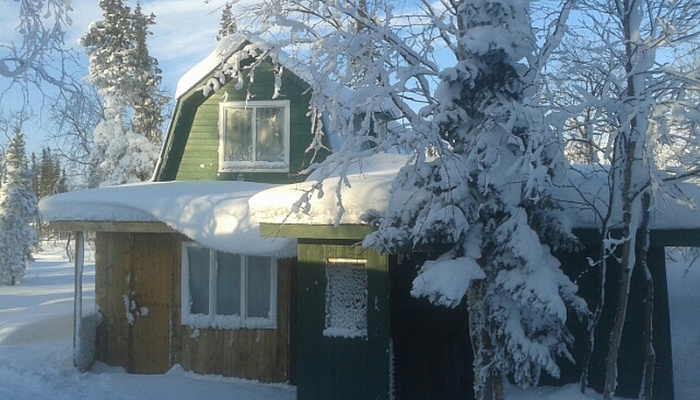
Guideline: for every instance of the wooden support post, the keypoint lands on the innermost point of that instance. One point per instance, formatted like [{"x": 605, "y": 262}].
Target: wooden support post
[{"x": 78, "y": 298}]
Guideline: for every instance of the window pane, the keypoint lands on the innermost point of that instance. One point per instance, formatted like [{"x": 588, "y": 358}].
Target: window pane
[
  {"x": 228, "y": 284},
  {"x": 238, "y": 142},
  {"x": 198, "y": 262},
  {"x": 270, "y": 129},
  {"x": 259, "y": 284},
  {"x": 346, "y": 300}
]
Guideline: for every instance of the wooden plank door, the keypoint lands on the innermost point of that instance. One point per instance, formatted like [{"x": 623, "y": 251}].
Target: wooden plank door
[
  {"x": 150, "y": 284},
  {"x": 342, "y": 356}
]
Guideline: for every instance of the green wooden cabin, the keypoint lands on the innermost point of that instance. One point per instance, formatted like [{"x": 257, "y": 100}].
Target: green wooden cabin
[
  {"x": 344, "y": 324},
  {"x": 165, "y": 299}
]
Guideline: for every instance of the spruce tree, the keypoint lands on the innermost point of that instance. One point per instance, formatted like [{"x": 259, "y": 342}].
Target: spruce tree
[
  {"x": 474, "y": 198},
  {"x": 148, "y": 100},
  {"x": 18, "y": 210},
  {"x": 125, "y": 141},
  {"x": 227, "y": 25},
  {"x": 480, "y": 208}
]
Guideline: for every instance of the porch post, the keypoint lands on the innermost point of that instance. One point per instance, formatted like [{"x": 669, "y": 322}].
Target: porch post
[{"x": 78, "y": 297}]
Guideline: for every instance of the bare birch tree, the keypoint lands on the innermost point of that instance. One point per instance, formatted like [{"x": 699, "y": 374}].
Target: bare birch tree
[{"x": 645, "y": 104}]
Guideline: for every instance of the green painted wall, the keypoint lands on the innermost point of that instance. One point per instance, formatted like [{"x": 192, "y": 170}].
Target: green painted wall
[
  {"x": 191, "y": 149},
  {"x": 341, "y": 368}
]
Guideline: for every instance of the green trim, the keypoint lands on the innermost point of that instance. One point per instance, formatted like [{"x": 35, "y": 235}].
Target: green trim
[
  {"x": 302, "y": 231},
  {"x": 588, "y": 237},
  {"x": 674, "y": 237},
  {"x": 178, "y": 134}
]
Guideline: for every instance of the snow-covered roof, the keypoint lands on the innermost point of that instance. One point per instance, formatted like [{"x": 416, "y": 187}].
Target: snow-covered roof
[
  {"x": 215, "y": 214},
  {"x": 227, "y": 47},
  {"x": 585, "y": 196},
  {"x": 369, "y": 189},
  {"x": 226, "y": 215},
  {"x": 370, "y": 182}
]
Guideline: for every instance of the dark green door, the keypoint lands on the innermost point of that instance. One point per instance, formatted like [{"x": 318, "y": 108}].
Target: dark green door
[{"x": 343, "y": 323}]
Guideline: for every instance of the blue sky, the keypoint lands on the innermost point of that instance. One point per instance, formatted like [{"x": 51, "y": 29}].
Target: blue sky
[{"x": 185, "y": 33}]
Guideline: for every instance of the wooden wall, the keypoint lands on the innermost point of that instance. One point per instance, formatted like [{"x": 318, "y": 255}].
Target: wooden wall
[
  {"x": 145, "y": 269},
  {"x": 200, "y": 157},
  {"x": 133, "y": 285},
  {"x": 260, "y": 354},
  {"x": 432, "y": 348}
]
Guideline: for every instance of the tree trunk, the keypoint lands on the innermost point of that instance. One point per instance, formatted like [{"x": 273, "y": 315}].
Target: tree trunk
[
  {"x": 595, "y": 318},
  {"x": 649, "y": 351},
  {"x": 620, "y": 315},
  {"x": 488, "y": 382},
  {"x": 626, "y": 268},
  {"x": 630, "y": 138},
  {"x": 647, "y": 335}
]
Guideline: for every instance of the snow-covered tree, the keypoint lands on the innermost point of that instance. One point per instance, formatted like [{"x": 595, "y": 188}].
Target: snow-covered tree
[
  {"x": 18, "y": 209},
  {"x": 125, "y": 144},
  {"x": 124, "y": 156},
  {"x": 227, "y": 25},
  {"x": 474, "y": 197},
  {"x": 148, "y": 98},
  {"x": 31, "y": 55},
  {"x": 644, "y": 104}
]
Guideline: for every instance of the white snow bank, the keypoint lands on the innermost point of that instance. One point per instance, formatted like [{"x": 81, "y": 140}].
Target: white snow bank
[{"x": 214, "y": 214}]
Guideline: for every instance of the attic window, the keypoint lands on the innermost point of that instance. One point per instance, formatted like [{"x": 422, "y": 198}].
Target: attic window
[
  {"x": 228, "y": 291},
  {"x": 254, "y": 136}
]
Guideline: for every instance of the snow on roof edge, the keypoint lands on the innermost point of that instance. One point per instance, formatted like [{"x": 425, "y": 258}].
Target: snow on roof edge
[
  {"x": 227, "y": 47},
  {"x": 370, "y": 189},
  {"x": 214, "y": 214}
]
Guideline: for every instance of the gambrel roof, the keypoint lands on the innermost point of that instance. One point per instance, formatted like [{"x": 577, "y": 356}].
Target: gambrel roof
[{"x": 238, "y": 46}]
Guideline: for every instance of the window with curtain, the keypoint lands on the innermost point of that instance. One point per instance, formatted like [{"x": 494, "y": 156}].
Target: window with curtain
[
  {"x": 254, "y": 136},
  {"x": 228, "y": 291}
]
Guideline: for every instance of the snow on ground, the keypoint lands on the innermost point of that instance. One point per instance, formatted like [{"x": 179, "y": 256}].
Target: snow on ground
[
  {"x": 36, "y": 336},
  {"x": 36, "y": 346}
]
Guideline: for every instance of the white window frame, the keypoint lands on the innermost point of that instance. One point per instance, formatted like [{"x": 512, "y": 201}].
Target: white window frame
[
  {"x": 254, "y": 165},
  {"x": 212, "y": 320}
]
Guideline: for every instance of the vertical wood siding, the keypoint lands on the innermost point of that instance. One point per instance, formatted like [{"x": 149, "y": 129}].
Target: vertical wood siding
[
  {"x": 145, "y": 269},
  {"x": 338, "y": 367},
  {"x": 133, "y": 284},
  {"x": 200, "y": 160},
  {"x": 260, "y": 354}
]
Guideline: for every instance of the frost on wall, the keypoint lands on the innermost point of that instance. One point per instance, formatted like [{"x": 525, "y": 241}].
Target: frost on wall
[{"x": 346, "y": 299}]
